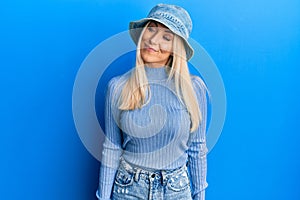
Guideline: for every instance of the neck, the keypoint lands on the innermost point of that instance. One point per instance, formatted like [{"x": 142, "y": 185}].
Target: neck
[
  {"x": 156, "y": 73},
  {"x": 155, "y": 65}
]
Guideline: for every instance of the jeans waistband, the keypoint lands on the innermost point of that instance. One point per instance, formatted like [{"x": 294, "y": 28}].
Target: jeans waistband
[{"x": 160, "y": 173}]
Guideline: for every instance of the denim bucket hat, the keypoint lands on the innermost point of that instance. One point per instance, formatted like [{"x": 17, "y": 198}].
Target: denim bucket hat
[{"x": 173, "y": 17}]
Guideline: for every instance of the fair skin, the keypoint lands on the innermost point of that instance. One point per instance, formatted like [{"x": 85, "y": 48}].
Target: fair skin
[{"x": 156, "y": 45}]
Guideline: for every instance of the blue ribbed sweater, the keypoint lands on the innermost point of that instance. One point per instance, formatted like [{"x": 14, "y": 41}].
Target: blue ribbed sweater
[{"x": 156, "y": 136}]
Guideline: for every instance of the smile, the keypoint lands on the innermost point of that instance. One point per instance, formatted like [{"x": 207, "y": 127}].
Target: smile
[{"x": 150, "y": 49}]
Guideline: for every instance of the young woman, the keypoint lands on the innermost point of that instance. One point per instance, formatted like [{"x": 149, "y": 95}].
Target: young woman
[{"x": 155, "y": 118}]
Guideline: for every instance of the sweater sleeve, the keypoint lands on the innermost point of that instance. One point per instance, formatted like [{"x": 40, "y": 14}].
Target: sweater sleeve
[
  {"x": 197, "y": 146},
  {"x": 112, "y": 146}
]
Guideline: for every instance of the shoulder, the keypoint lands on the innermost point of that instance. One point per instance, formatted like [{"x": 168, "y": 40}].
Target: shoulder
[
  {"x": 117, "y": 82},
  {"x": 112, "y": 83},
  {"x": 198, "y": 84},
  {"x": 201, "y": 91}
]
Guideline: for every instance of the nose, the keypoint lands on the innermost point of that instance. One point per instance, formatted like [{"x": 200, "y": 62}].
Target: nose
[{"x": 154, "y": 39}]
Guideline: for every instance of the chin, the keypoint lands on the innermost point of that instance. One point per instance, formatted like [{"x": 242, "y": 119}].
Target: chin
[{"x": 149, "y": 58}]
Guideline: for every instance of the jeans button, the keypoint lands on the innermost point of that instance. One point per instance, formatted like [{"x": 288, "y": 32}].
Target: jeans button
[{"x": 153, "y": 175}]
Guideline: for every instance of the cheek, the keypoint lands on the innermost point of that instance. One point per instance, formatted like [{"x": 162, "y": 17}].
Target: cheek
[
  {"x": 166, "y": 47},
  {"x": 146, "y": 36}
]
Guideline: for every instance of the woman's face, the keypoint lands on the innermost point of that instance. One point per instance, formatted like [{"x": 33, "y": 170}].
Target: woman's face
[{"x": 156, "y": 44}]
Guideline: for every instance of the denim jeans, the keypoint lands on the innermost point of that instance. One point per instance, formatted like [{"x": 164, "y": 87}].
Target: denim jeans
[{"x": 134, "y": 183}]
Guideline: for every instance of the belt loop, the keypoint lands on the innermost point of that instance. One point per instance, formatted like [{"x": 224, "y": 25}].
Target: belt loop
[
  {"x": 137, "y": 174},
  {"x": 163, "y": 177}
]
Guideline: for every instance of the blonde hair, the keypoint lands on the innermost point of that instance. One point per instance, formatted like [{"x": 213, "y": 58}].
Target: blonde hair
[{"x": 135, "y": 90}]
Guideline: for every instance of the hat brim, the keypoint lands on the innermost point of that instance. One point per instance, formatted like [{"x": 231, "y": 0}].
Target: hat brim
[{"x": 136, "y": 27}]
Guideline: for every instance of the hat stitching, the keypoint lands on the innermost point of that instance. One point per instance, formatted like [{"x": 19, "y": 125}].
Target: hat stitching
[{"x": 178, "y": 23}]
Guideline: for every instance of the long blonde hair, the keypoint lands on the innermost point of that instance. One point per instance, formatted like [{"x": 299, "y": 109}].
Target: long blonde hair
[{"x": 136, "y": 87}]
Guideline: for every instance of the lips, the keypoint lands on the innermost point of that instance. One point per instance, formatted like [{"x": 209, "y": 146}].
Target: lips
[{"x": 150, "y": 49}]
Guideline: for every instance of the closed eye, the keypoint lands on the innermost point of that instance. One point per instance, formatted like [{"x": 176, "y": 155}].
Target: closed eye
[
  {"x": 151, "y": 29},
  {"x": 168, "y": 37}
]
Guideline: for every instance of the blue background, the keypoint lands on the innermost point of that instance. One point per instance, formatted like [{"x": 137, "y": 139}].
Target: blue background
[{"x": 255, "y": 44}]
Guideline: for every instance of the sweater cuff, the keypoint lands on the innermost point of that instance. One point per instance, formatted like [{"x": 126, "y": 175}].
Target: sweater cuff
[
  {"x": 200, "y": 196},
  {"x": 99, "y": 198}
]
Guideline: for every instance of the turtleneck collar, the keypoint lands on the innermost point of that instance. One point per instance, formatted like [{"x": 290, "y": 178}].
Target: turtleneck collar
[{"x": 156, "y": 73}]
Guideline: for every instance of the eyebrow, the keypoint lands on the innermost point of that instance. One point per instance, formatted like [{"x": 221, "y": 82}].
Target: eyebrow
[{"x": 156, "y": 24}]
